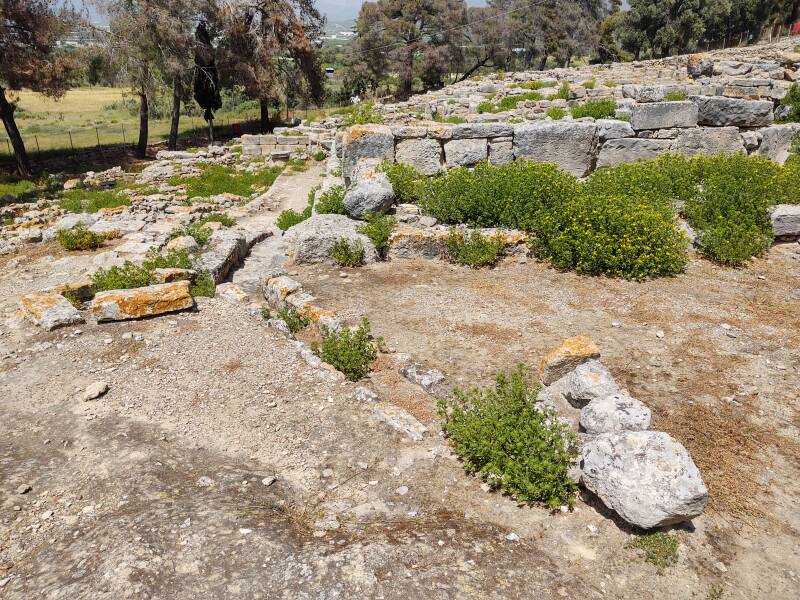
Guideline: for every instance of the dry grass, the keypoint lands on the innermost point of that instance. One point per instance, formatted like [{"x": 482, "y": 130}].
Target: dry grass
[{"x": 86, "y": 101}]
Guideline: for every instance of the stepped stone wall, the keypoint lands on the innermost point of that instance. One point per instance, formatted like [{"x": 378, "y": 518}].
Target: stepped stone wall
[{"x": 285, "y": 142}]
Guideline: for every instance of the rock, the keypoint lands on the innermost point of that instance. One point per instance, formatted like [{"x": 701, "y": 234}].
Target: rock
[
  {"x": 751, "y": 140},
  {"x": 588, "y": 382},
  {"x": 366, "y": 141},
  {"x": 613, "y": 129},
  {"x": 225, "y": 249},
  {"x": 95, "y": 390},
  {"x": 72, "y": 184},
  {"x": 121, "y": 305},
  {"x": 412, "y": 242},
  {"x": 49, "y": 310},
  {"x": 718, "y": 111},
  {"x": 614, "y": 413},
  {"x": 400, "y": 419},
  {"x": 777, "y": 140},
  {"x": 629, "y": 150},
  {"x": 647, "y": 477},
  {"x": 699, "y": 65},
  {"x": 572, "y": 352},
  {"x": 664, "y": 115},
  {"x": 708, "y": 141},
  {"x": 312, "y": 240},
  {"x": 425, "y": 155},
  {"x": 276, "y": 290},
  {"x": 481, "y": 130},
  {"x": 363, "y": 394},
  {"x": 371, "y": 192},
  {"x": 425, "y": 378},
  {"x": 786, "y": 221},
  {"x": 24, "y": 489},
  {"x": 466, "y": 152},
  {"x": 184, "y": 242},
  {"x": 231, "y": 293},
  {"x": 168, "y": 275},
  {"x": 501, "y": 152},
  {"x": 70, "y": 221},
  {"x": 569, "y": 144}
]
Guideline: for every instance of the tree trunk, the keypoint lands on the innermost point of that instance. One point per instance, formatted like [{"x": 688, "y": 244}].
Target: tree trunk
[
  {"x": 176, "y": 115},
  {"x": 211, "y": 132},
  {"x": 20, "y": 154},
  {"x": 141, "y": 146},
  {"x": 407, "y": 74},
  {"x": 264, "y": 104},
  {"x": 543, "y": 62}
]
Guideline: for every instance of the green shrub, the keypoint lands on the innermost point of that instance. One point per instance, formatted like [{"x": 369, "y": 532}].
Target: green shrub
[
  {"x": 405, "y": 181},
  {"x": 556, "y": 113},
  {"x": 362, "y": 114},
  {"x": 331, "y": 201},
  {"x": 218, "y": 218},
  {"x": 733, "y": 243},
  {"x": 16, "y": 187},
  {"x": 88, "y": 201},
  {"x": 660, "y": 549},
  {"x": 346, "y": 253},
  {"x": 265, "y": 314},
  {"x": 297, "y": 165},
  {"x": 487, "y": 106},
  {"x": 218, "y": 179},
  {"x": 473, "y": 250},
  {"x": 563, "y": 92},
  {"x": 319, "y": 155},
  {"x": 349, "y": 350},
  {"x": 610, "y": 83},
  {"x": 452, "y": 119},
  {"x": 79, "y": 238},
  {"x": 590, "y": 85},
  {"x": 378, "y": 228},
  {"x": 502, "y": 436},
  {"x": 511, "y": 102},
  {"x": 602, "y": 108},
  {"x": 534, "y": 85},
  {"x": 290, "y": 217},
  {"x": 512, "y": 195},
  {"x": 293, "y": 319},
  {"x": 124, "y": 277},
  {"x": 203, "y": 285},
  {"x": 197, "y": 230},
  {"x": 787, "y": 179},
  {"x": 792, "y": 100},
  {"x": 622, "y": 236},
  {"x": 173, "y": 259},
  {"x": 675, "y": 96}
]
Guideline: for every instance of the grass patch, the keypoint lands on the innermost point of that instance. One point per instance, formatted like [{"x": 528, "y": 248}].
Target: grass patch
[
  {"x": 514, "y": 447},
  {"x": 378, "y": 228},
  {"x": 331, "y": 201},
  {"x": 562, "y": 93},
  {"x": 474, "y": 249},
  {"x": 675, "y": 96},
  {"x": 534, "y": 85},
  {"x": 219, "y": 179},
  {"x": 290, "y": 217},
  {"x": 293, "y": 319},
  {"x": 660, "y": 549},
  {"x": 297, "y": 165},
  {"x": 203, "y": 285},
  {"x": 590, "y": 85},
  {"x": 603, "y": 108},
  {"x": 80, "y": 238},
  {"x": 556, "y": 113},
  {"x": 173, "y": 259},
  {"x": 319, "y": 155},
  {"x": 362, "y": 114},
  {"x": 17, "y": 189},
  {"x": 349, "y": 351},
  {"x": 88, "y": 201},
  {"x": 792, "y": 100},
  {"x": 347, "y": 253},
  {"x": 217, "y": 217},
  {"x": 610, "y": 83},
  {"x": 452, "y": 119},
  {"x": 197, "y": 230}
]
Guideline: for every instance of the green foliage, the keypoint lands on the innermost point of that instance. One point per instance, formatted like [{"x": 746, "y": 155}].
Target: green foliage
[
  {"x": 203, "y": 285},
  {"x": 197, "y": 230},
  {"x": 265, "y": 314},
  {"x": 589, "y": 85},
  {"x": 405, "y": 181},
  {"x": 473, "y": 250},
  {"x": 675, "y": 96},
  {"x": 363, "y": 114},
  {"x": 534, "y": 85},
  {"x": 293, "y": 319},
  {"x": 556, "y": 113},
  {"x": 347, "y": 253},
  {"x": 173, "y": 259},
  {"x": 511, "y": 102},
  {"x": 349, "y": 350},
  {"x": 298, "y": 165},
  {"x": 88, "y": 201},
  {"x": 218, "y": 179},
  {"x": 610, "y": 83},
  {"x": 124, "y": 277},
  {"x": 622, "y": 236},
  {"x": 290, "y": 217},
  {"x": 487, "y": 106},
  {"x": 562, "y": 93},
  {"x": 512, "y": 195},
  {"x": 602, "y": 108},
  {"x": 319, "y": 155},
  {"x": 218, "y": 218},
  {"x": 788, "y": 177},
  {"x": 501, "y": 435},
  {"x": 452, "y": 119},
  {"x": 331, "y": 201},
  {"x": 660, "y": 549},
  {"x": 378, "y": 228},
  {"x": 16, "y": 188},
  {"x": 792, "y": 100},
  {"x": 79, "y": 238}
]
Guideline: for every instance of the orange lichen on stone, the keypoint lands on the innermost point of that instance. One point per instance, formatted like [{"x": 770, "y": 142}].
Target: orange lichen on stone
[
  {"x": 571, "y": 353},
  {"x": 120, "y": 305}
]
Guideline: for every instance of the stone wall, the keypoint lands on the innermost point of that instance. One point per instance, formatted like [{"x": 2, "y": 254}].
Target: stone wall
[{"x": 285, "y": 143}]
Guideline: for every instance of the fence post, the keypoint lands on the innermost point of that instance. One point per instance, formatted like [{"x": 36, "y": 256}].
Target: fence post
[
  {"x": 71, "y": 145},
  {"x": 39, "y": 150},
  {"x": 123, "y": 134}
]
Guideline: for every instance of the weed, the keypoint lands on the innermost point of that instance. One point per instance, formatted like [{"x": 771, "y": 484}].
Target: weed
[
  {"x": 603, "y": 108},
  {"x": 610, "y": 83},
  {"x": 347, "y": 253},
  {"x": 87, "y": 201},
  {"x": 290, "y": 217},
  {"x": 511, "y": 102},
  {"x": 173, "y": 259},
  {"x": 589, "y": 85},
  {"x": 203, "y": 285},
  {"x": 265, "y": 314},
  {"x": 405, "y": 181},
  {"x": 487, "y": 106},
  {"x": 16, "y": 188},
  {"x": 715, "y": 592},
  {"x": 660, "y": 549},
  {"x": 534, "y": 85},
  {"x": 297, "y": 165},
  {"x": 218, "y": 179},
  {"x": 293, "y": 319},
  {"x": 378, "y": 228},
  {"x": 349, "y": 350},
  {"x": 73, "y": 298},
  {"x": 362, "y": 114},
  {"x": 511, "y": 443},
  {"x": 473, "y": 250},
  {"x": 556, "y": 113},
  {"x": 197, "y": 230},
  {"x": 452, "y": 119},
  {"x": 562, "y": 93},
  {"x": 331, "y": 201},
  {"x": 319, "y": 155},
  {"x": 218, "y": 218},
  {"x": 124, "y": 277},
  {"x": 675, "y": 96},
  {"x": 792, "y": 100},
  {"x": 80, "y": 238}
]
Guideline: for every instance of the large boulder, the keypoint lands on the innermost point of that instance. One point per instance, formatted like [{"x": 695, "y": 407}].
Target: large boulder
[
  {"x": 708, "y": 141},
  {"x": 664, "y": 115},
  {"x": 425, "y": 154},
  {"x": 614, "y": 129},
  {"x": 568, "y": 356},
  {"x": 718, "y": 111},
  {"x": 311, "y": 241},
  {"x": 226, "y": 249},
  {"x": 613, "y": 413},
  {"x": 49, "y": 310},
  {"x": 629, "y": 150},
  {"x": 569, "y": 144},
  {"x": 366, "y": 141},
  {"x": 777, "y": 140},
  {"x": 588, "y": 382},
  {"x": 137, "y": 303},
  {"x": 371, "y": 191},
  {"x": 646, "y": 477},
  {"x": 786, "y": 221}
]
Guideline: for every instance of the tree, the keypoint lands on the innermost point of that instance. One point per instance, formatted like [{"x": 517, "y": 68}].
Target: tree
[
  {"x": 206, "y": 78},
  {"x": 259, "y": 38},
  {"x": 29, "y": 33}
]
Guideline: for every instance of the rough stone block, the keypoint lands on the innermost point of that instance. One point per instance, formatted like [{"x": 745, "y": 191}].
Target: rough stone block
[
  {"x": 501, "y": 153},
  {"x": 717, "y": 111},
  {"x": 465, "y": 152},
  {"x": 49, "y": 310},
  {"x": 137, "y": 303},
  {"x": 569, "y": 355},
  {"x": 614, "y": 413},
  {"x": 366, "y": 141},
  {"x": 786, "y": 221},
  {"x": 311, "y": 241},
  {"x": 570, "y": 145},
  {"x": 628, "y": 150},
  {"x": 777, "y": 140},
  {"x": 709, "y": 141},
  {"x": 482, "y": 130},
  {"x": 371, "y": 192},
  {"x": 613, "y": 129},
  {"x": 425, "y": 155},
  {"x": 226, "y": 249},
  {"x": 663, "y": 115}
]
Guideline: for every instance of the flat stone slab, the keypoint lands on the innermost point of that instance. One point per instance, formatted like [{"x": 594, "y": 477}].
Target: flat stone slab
[
  {"x": 400, "y": 419},
  {"x": 568, "y": 356},
  {"x": 570, "y": 145},
  {"x": 49, "y": 310},
  {"x": 786, "y": 221},
  {"x": 137, "y": 303}
]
